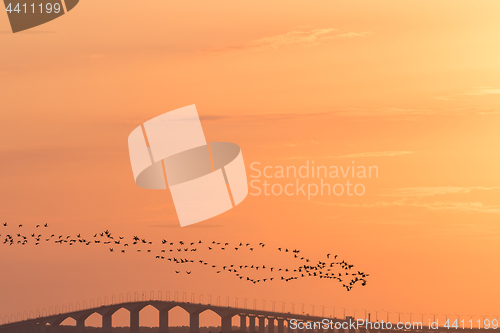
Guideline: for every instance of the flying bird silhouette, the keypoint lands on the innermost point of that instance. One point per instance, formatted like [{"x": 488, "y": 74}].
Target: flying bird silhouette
[{"x": 256, "y": 273}]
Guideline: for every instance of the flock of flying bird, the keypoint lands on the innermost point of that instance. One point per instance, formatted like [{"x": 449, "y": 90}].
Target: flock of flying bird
[{"x": 177, "y": 252}]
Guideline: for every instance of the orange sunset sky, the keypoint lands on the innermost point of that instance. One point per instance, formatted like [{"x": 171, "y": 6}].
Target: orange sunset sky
[{"x": 411, "y": 87}]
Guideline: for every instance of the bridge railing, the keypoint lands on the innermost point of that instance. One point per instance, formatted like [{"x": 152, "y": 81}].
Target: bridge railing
[
  {"x": 172, "y": 296},
  {"x": 241, "y": 303}
]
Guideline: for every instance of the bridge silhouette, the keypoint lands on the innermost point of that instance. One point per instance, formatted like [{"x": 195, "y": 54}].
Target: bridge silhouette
[{"x": 251, "y": 320}]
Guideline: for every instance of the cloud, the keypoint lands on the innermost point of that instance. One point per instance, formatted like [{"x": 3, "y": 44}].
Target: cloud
[
  {"x": 306, "y": 157},
  {"x": 354, "y": 34},
  {"x": 476, "y": 91},
  {"x": 152, "y": 208},
  {"x": 208, "y": 117},
  {"x": 357, "y": 155},
  {"x": 361, "y": 114},
  {"x": 257, "y": 117},
  {"x": 296, "y": 39},
  {"x": 294, "y": 144},
  {"x": 444, "y": 98},
  {"x": 377, "y": 154},
  {"x": 311, "y": 37},
  {"x": 490, "y": 112},
  {"x": 431, "y": 191},
  {"x": 408, "y": 112},
  {"x": 418, "y": 197},
  {"x": 466, "y": 207},
  {"x": 462, "y": 207},
  {"x": 483, "y": 91}
]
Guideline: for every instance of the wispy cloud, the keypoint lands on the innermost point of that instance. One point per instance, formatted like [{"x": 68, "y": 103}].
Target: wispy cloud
[
  {"x": 444, "y": 98},
  {"x": 354, "y": 34},
  {"x": 421, "y": 197},
  {"x": 482, "y": 91},
  {"x": 295, "y": 39},
  {"x": 377, "y": 154},
  {"x": 304, "y": 158},
  {"x": 463, "y": 207},
  {"x": 431, "y": 191},
  {"x": 294, "y": 144},
  {"x": 489, "y": 112},
  {"x": 361, "y": 114},
  {"x": 357, "y": 155},
  {"x": 153, "y": 208},
  {"x": 307, "y": 38},
  {"x": 476, "y": 91}
]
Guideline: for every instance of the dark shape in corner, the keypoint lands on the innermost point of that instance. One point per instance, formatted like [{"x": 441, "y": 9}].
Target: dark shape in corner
[
  {"x": 23, "y": 16},
  {"x": 70, "y": 4}
]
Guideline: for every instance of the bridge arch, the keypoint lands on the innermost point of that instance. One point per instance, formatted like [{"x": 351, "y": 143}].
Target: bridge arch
[
  {"x": 66, "y": 321},
  {"x": 115, "y": 317},
  {"x": 94, "y": 320},
  {"x": 190, "y": 311},
  {"x": 177, "y": 316},
  {"x": 149, "y": 316},
  {"x": 209, "y": 318}
]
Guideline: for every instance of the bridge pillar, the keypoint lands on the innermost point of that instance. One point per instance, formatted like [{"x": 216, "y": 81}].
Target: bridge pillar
[
  {"x": 243, "y": 323},
  {"x": 281, "y": 325},
  {"x": 134, "y": 321},
  {"x": 107, "y": 322},
  {"x": 251, "y": 324},
  {"x": 80, "y": 325},
  {"x": 226, "y": 323},
  {"x": 270, "y": 325},
  {"x": 44, "y": 328},
  {"x": 194, "y": 322},
  {"x": 331, "y": 327},
  {"x": 54, "y": 328},
  {"x": 301, "y": 330},
  {"x": 262, "y": 324},
  {"x": 164, "y": 320}
]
